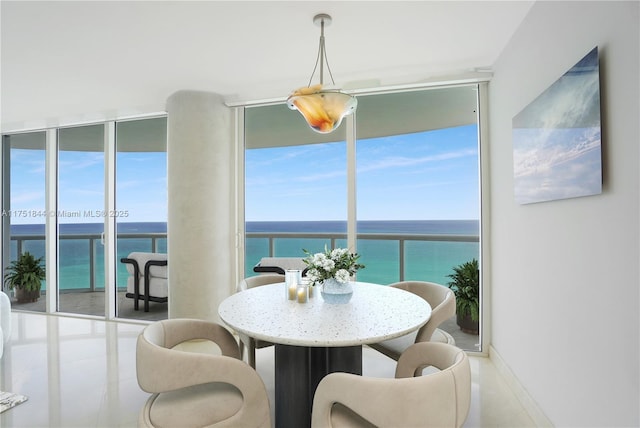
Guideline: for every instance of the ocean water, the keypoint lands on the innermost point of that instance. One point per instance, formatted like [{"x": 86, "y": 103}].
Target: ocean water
[
  {"x": 423, "y": 260},
  {"x": 78, "y": 241}
]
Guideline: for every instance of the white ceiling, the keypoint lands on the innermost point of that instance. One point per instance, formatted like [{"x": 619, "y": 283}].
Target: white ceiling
[{"x": 65, "y": 62}]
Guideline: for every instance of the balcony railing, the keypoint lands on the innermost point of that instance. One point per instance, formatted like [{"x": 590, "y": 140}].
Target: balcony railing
[
  {"x": 368, "y": 247},
  {"x": 391, "y": 256},
  {"x": 93, "y": 259}
]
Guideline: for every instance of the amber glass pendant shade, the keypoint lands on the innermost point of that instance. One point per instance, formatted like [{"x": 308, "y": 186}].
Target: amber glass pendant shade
[{"x": 323, "y": 110}]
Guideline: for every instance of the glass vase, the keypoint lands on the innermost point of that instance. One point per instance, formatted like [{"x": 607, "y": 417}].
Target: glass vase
[{"x": 336, "y": 292}]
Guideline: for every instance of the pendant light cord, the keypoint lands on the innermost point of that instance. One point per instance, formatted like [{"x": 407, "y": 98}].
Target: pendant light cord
[{"x": 321, "y": 58}]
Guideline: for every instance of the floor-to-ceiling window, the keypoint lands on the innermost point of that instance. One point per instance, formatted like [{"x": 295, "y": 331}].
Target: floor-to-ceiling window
[
  {"x": 426, "y": 171},
  {"x": 24, "y": 212},
  {"x": 417, "y": 198},
  {"x": 58, "y": 183},
  {"x": 419, "y": 153},
  {"x": 81, "y": 166},
  {"x": 141, "y": 201},
  {"x": 295, "y": 186}
]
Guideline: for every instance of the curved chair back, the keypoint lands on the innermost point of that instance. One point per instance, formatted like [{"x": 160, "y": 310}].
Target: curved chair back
[
  {"x": 440, "y": 399},
  {"x": 246, "y": 342},
  {"x": 443, "y": 306},
  {"x": 454, "y": 374},
  {"x": 440, "y": 298},
  {"x": 259, "y": 280},
  {"x": 197, "y": 389}
]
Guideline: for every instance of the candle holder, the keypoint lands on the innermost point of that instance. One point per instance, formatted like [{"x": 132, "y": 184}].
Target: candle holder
[
  {"x": 302, "y": 293},
  {"x": 292, "y": 278},
  {"x": 310, "y": 288}
]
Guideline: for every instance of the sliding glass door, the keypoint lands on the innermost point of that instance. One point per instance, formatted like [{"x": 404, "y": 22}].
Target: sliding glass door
[
  {"x": 141, "y": 202},
  {"x": 422, "y": 160},
  {"x": 429, "y": 179},
  {"x": 59, "y": 201},
  {"x": 24, "y": 211},
  {"x": 81, "y": 166}
]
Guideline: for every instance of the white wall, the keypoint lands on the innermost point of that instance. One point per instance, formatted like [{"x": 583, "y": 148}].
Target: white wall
[{"x": 565, "y": 274}]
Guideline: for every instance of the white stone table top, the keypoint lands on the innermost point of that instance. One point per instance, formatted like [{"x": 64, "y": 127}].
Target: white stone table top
[{"x": 375, "y": 313}]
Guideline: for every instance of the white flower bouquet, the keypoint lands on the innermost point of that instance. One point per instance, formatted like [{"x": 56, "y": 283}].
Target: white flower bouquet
[{"x": 338, "y": 263}]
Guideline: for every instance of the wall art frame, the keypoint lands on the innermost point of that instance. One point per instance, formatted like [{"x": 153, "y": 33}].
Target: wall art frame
[{"x": 557, "y": 148}]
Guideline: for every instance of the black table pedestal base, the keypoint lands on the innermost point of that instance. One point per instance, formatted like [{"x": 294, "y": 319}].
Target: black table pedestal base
[{"x": 298, "y": 370}]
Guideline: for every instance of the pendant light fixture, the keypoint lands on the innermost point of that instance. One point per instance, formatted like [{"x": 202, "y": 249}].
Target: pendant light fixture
[{"x": 323, "y": 108}]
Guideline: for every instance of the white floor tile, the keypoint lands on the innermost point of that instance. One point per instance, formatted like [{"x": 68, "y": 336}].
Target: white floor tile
[{"x": 81, "y": 373}]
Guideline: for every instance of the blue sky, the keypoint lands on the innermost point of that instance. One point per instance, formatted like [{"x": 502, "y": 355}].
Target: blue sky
[
  {"x": 141, "y": 191},
  {"x": 424, "y": 176}
]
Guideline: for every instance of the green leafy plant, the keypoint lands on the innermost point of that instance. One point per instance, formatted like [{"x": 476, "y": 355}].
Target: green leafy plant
[
  {"x": 465, "y": 285},
  {"x": 26, "y": 273}
]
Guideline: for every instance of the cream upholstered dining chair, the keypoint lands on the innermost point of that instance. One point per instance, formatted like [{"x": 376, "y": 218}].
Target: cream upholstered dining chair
[
  {"x": 246, "y": 342},
  {"x": 443, "y": 306},
  {"x": 192, "y": 389},
  {"x": 440, "y": 398}
]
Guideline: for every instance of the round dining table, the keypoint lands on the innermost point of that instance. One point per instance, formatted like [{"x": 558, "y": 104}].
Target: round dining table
[{"x": 315, "y": 338}]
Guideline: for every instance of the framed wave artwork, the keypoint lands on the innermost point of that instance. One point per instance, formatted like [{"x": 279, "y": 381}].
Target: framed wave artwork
[{"x": 557, "y": 138}]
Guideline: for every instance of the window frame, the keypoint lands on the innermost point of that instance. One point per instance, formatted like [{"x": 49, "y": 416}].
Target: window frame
[{"x": 481, "y": 84}]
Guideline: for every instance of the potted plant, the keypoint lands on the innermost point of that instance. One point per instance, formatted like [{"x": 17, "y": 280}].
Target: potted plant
[
  {"x": 25, "y": 275},
  {"x": 465, "y": 285}
]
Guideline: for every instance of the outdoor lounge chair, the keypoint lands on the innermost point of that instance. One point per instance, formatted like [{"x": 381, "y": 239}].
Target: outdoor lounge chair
[
  {"x": 280, "y": 265},
  {"x": 147, "y": 278}
]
